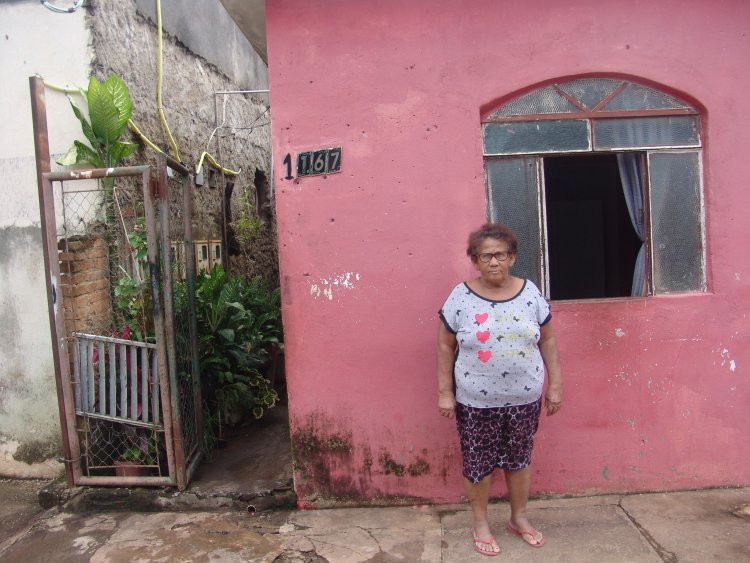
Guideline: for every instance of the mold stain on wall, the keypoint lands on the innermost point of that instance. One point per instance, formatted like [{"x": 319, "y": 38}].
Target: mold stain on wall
[
  {"x": 322, "y": 454},
  {"x": 29, "y": 424},
  {"x": 329, "y": 466}
]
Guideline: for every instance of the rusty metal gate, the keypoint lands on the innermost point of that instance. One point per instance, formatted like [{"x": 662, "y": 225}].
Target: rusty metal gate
[{"x": 121, "y": 278}]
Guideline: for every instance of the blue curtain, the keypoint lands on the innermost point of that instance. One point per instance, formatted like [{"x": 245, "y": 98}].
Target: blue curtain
[{"x": 631, "y": 176}]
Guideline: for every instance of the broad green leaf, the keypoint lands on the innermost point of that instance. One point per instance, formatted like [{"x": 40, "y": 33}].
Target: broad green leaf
[
  {"x": 80, "y": 154},
  {"x": 87, "y": 155},
  {"x": 227, "y": 333},
  {"x": 105, "y": 117},
  {"x": 121, "y": 98},
  {"x": 85, "y": 125},
  {"x": 70, "y": 157},
  {"x": 120, "y": 150}
]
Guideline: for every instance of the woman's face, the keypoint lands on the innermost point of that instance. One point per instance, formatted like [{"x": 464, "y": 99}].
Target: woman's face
[{"x": 495, "y": 271}]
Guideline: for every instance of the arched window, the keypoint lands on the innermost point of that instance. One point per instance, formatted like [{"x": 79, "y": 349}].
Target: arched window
[{"x": 600, "y": 178}]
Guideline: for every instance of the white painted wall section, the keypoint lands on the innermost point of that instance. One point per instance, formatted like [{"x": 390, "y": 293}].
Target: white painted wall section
[{"x": 33, "y": 40}]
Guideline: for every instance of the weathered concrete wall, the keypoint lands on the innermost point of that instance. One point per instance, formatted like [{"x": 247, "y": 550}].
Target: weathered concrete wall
[
  {"x": 125, "y": 42},
  {"x": 32, "y": 40},
  {"x": 656, "y": 388},
  {"x": 207, "y": 30},
  {"x": 107, "y": 36}
]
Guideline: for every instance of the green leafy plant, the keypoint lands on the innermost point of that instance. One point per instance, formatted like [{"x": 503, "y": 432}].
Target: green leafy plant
[
  {"x": 136, "y": 454},
  {"x": 141, "y": 446},
  {"x": 133, "y": 301},
  {"x": 210, "y": 431},
  {"x": 109, "y": 109},
  {"x": 142, "y": 450},
  {"x": 138, "y": 240},
  {"x": 133, "y": 296},
  {"x": 247, "y": 225},
  {"x": 239, "y": 322}
]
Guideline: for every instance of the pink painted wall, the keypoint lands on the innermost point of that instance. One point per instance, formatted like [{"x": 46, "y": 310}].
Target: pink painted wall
[{"x": 656, "y": 388}]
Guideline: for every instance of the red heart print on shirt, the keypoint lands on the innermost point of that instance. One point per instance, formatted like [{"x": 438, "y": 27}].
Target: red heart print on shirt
[
  {"x": 481, "y": 317},
  {"x": 484, "y": 355},
  {"x": 483, "y": 335}
]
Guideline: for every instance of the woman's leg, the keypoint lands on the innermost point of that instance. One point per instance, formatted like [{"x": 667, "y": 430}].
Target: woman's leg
[
  {"x": 475, "y": 431},
  {"x": 479, "y": 496},
  {"x": 519, "y": 483}
]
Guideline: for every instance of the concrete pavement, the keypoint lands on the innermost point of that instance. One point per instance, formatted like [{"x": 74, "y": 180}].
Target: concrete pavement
[
  {"x": 698, "y": 526},
  {"x": 19, "y": 505}
]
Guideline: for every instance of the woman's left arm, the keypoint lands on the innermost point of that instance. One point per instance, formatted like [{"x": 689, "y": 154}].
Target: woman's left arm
[{"x": 548, "y": 349}]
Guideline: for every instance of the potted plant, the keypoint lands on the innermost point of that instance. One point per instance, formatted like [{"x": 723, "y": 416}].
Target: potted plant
[
  {"x": 132, "y": 463},
  {"x": 139, "y": 456}
]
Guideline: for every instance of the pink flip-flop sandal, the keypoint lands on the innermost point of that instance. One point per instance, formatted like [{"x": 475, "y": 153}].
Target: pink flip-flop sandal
[
  {"x": 531, "y": 534},
  {"x": 485, "y": 547}
]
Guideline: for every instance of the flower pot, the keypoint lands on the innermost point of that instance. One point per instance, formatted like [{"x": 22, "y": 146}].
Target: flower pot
[{"x": 125, "y": 468}]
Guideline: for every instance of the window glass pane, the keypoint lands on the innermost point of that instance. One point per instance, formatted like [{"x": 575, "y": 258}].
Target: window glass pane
[
  {"x": 544, "y": 100},
  {"x": 523, "y": 137},
  {"x": 512, "y": 200},
  {"x": 634, "y": 96},
  {"x": 645, "y": 132},
  {"x": 590, "y": 91},
  {"x": 677, "y": 237}
]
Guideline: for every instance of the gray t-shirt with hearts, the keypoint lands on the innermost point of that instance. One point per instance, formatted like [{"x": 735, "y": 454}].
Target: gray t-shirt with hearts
[{"x": 498, "y": 362}]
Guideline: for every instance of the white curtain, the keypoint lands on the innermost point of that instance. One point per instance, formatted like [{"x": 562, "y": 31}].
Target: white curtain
[{"x": 631, "y": 168}]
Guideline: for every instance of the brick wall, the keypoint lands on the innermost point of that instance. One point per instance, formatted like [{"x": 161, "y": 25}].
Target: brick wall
[{"x": 84, "y": 284}]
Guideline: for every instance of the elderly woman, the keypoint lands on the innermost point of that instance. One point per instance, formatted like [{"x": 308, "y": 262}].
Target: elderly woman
[{"x": 494, "y": 343}]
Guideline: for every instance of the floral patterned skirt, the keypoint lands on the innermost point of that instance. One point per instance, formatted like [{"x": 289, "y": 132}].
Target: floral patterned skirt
[{"x": 496, "y": 437}]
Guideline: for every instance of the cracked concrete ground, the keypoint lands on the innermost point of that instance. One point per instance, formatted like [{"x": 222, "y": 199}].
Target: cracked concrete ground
[
  {"x": 712, "y": 525},
  {"x": 18, "y": 505}
]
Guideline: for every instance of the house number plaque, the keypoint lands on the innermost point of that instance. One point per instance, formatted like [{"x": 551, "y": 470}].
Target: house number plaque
[{"x": 313, "y": 163}]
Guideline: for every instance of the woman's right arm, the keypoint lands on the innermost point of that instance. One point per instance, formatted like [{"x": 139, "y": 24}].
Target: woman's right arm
[{"x": 446, "y": 350}]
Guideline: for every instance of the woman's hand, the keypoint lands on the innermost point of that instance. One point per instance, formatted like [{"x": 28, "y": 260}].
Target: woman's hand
[
  {"x": 553, "y": 399},
  {"x": 447, "y": 405}
]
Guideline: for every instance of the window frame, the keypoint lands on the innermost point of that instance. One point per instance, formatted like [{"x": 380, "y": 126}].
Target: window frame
[{"x": 646, "y": 151}]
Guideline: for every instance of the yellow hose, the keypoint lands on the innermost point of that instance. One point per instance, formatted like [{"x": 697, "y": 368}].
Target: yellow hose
[
  {"x": 216, "y": 165},
  {"x": 132, "y": 126},
  {"x": 63, "y": 89},
  {"x": 159, "y": 74}
]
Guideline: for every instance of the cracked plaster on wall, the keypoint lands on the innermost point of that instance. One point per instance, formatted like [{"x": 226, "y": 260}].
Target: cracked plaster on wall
[
  {"x": 325, "y": 286},
  {"x": 726, "y": 360}
]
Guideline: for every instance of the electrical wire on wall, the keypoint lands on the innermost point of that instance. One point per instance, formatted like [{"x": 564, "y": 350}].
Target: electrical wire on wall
[
  {"x": 227, "y": 184},
  {"x": 59, "y": 10},
  {"x": 208, "y": 156}
]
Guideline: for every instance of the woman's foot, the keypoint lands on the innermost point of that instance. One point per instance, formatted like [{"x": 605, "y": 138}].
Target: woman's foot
[
  {"x": 528, "y": 533},
  {"x": 486, "y": 547}
]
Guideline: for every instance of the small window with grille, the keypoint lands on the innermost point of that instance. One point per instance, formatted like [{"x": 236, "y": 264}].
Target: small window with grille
[{"x": 600, "y": 178}]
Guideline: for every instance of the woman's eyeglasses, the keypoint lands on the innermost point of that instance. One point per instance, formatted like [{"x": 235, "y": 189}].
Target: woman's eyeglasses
[{"x": 488, "y": 256}]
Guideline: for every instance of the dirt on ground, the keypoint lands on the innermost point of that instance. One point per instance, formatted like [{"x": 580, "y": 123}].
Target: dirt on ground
[{"x": 19, "y": 505}]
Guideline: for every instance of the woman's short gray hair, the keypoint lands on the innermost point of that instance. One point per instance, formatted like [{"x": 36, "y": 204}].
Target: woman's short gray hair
[{"x": 494, "y": 231}]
